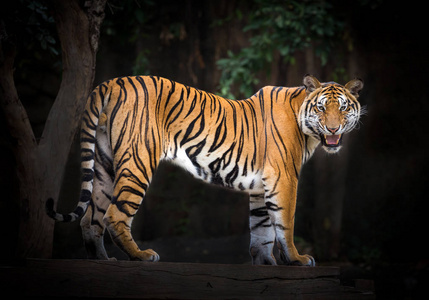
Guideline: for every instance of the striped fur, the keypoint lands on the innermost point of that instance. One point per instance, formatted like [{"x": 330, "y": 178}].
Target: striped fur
[{"x": 256, "y": 145}]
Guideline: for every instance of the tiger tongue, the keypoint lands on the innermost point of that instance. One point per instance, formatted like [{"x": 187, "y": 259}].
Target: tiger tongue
[{"x": 332, "y": 139}]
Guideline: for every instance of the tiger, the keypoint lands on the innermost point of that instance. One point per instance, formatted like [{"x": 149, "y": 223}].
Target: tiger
[{"x": 255, "y": 145}]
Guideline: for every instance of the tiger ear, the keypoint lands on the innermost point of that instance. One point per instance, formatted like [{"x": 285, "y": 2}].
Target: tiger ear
[
  {"x": 354, "y": 86},
  {"x": 311, "y": 83}
]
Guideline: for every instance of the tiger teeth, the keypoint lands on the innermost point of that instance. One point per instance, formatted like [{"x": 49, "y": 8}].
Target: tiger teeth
[{"x": 332, "y": 140}]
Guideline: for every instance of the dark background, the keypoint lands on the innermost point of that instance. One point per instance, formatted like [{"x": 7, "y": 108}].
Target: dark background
[{"x": 364, "y": 209}]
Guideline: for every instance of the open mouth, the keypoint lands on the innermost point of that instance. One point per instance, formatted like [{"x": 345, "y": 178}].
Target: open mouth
[{"x": 333, "y": 140}]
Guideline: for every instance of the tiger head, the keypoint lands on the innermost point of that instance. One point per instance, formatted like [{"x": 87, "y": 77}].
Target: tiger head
[{"x": 330, "y": 110}]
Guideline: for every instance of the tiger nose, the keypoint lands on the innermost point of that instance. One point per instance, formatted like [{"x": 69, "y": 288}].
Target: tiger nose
[{"x": 333, "y": 130}]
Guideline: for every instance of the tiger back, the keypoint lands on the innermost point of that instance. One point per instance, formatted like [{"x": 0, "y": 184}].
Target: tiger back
[{"x": 257, "y": 145}]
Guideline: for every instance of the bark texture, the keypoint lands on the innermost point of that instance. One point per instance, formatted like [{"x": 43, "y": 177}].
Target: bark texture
[{"x": 40, "y": 165}]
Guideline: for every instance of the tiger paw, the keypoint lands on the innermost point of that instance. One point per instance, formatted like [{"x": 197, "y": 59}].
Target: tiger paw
[
  {"x": 146, "y": 255},
  {"x": 299, "y": 260},
  {"x": 260, "y": 257}
]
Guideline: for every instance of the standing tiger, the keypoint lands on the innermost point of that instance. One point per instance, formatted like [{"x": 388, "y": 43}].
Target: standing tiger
[{"x": 257, "y": 145}]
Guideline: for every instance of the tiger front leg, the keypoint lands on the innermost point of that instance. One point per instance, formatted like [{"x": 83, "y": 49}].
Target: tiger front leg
[
  {"x": 262, "y": 234},
  {"x": 280, "y": 200},
  {"x": 119, "y": 217}
]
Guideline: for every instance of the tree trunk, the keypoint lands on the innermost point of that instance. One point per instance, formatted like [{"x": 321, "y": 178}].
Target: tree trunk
[{"x": 40, "y": 167}]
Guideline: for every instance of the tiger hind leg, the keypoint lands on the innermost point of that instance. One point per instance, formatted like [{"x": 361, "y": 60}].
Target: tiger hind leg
[
  {"x": 128, "y": 195},
  {"x": 93, "y": 234},
  {"x": 93, "y": 227},
  {"x": 262, "y": 233}
]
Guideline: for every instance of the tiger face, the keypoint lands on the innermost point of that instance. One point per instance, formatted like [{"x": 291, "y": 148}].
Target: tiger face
[{"x": 329, "y": 111}]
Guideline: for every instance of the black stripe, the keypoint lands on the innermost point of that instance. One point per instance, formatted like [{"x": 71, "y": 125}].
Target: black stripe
[
  {"x": 128, "y": 189},
  {"x": 123, "y": 205},
  {"x": 86, "y": 154},
  {"x": 108, "y": 196},
  {"x": 87, "y": 137},
  {"x": 186, "y": 137},
  {"x": 113, "y": 115},
  {"x": 259, "y": 212},
  {"x": 282, "y": 149},
  {"x": 85, "y": 196},
  {"x": 280, "y": 226},
  {"x": 198, "y": 148},
  {"x": 98, "y": 174},
  {"x": 231, "y": 176},
  {"x": 126, "y": 173},
  {"x": 244, "y": 173},
  {"x": 217, "y": 144},
  {"x": 126, "y": 156},
  {"x": 121, "y": 135},
  {"x": 176, "y": 136},
  {"x": 271, "y": 195},
  {"x": 136, "y": 105},
  {"x": 193, "y": 104},
  {"x": 88, "y": 174},
  {"x": 139, "y": 163},
  {"x": 88, "y": 121},
  {"x": 261, "y": 223},
  {"x": 272, "y": 206},
  {"x": 170, "y": 93},
  {"x": 93, "y": 106},
  {"x": 266, "y": 243},
  {"x": 180, "y": 101},
  {"x": 257, "y": 195}
]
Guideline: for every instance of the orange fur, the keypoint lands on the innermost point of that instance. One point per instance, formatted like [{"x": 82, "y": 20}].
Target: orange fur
[{"x": 257, "y": 145}]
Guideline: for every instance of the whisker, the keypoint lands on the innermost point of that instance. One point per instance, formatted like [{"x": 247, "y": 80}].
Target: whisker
[{"x": 363, "y": 110}]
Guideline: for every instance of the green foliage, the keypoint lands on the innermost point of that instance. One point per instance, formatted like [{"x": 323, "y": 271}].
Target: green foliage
[
  {"x": 39, "y": 25},
  {"x": 127, "y": 22},
  {"x": 30, "y": 27},
  {"x": 141, "y": 64},
  {"x": 29, "y": 24},
  {"x": 283, "y": 27}
]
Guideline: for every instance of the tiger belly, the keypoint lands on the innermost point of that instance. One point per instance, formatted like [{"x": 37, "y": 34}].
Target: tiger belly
[{"x": 231, "y": 176}]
